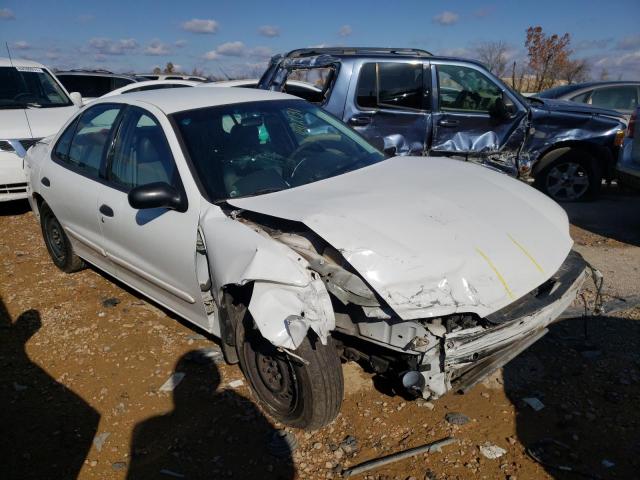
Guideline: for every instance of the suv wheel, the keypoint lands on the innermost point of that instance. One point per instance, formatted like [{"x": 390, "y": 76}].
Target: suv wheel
[
  {"x": 302, "y": 395},
  {"x": 572, "y": 177},
  {"x": 57, "y": 242}
]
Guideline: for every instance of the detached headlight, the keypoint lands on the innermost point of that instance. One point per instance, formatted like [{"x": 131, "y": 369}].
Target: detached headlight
[{"x": 5, "y": 146}]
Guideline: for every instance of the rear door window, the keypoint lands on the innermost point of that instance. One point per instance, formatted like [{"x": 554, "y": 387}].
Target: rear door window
[
  {"x": 582, "y": 97},
  {"x": 84, "y": 143},
  {"x": 617, "y": 98},
  {"x": 393, "y": 85}
]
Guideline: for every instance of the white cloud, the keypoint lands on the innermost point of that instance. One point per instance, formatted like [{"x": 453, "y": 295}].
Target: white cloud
[
  {"x": 7, "y": 14},
  {"x": 211, "y": 55},
  {"x": 198, "y": 25},
  {"x": 629, "y": 42},
  {"x": 231, "y": 49},
  {"x": 156, "y": 47},
  {"x": 180, "y": 43},
  {"x": 345, "y": 31},
  {"x": 269, "y": 31},
  {"x": 21, "y": 45},
  {"x": 446, "y": 18},
  {"x": 106, "y": 46}
]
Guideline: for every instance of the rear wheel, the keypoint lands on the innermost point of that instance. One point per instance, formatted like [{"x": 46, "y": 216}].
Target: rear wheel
[
  {"x": 57, "y": 242},
  {"x": 299, "y": 394},
  {"x": 572, "y": 177}
]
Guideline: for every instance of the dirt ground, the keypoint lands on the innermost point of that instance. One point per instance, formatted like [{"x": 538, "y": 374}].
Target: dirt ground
[{"x": 82, "y": 360}]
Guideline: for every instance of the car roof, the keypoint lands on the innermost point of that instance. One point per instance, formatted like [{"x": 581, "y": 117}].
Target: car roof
[
  {"x": 96, "y": 73},
  {"x": 179, "y": 99},
  {"x": 563, "y": 90},
  {"x": 344, "y": 53},
  {"x": 18, "y": 62}
]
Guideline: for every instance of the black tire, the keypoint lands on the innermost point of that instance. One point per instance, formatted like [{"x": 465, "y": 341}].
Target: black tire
[
  {"x": 307, "y": 396},
  {"x": 57, "y": 242},
  {"x": 573, "y": 177}
]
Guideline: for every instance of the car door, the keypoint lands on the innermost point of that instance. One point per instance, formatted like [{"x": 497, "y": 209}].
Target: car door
[
  {"x": 70, "y": 182},
  {"x": 154, "y": 250},
  {"x": 476, "y": 118},
  {"x": 391, "y": 105}
]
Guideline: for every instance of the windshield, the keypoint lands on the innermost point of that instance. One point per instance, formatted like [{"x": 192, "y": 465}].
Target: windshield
[
  {"x": 260, "y": 147},
  {"x": 22, "y": 87}
]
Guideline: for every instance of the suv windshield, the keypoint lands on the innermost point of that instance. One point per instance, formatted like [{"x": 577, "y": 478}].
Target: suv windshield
[
  {"x": 22, "y": 87},
  {"x": 260, "y": 147}
]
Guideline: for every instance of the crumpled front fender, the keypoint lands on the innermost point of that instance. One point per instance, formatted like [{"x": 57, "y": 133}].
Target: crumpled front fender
[{"x": 287, "y": 297}]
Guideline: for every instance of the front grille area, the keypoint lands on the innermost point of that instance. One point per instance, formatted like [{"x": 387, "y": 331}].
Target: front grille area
[
  {"x": 13, "y": 188},
  {"x": 27, "y": 143}
]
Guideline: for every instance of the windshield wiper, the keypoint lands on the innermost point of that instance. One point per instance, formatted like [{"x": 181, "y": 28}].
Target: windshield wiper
[{"x": 263, "y": 191}]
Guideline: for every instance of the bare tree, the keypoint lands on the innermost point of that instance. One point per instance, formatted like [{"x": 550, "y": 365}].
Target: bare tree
[
  {"x": 157, "y": 71},
  {"x": 548, "y": 56},
  {"x": 575, "y": 71},
  {"x": 170, "y": 68},
  {"x": 494, "y": 56},
  {"x": 604, "y": 74}
]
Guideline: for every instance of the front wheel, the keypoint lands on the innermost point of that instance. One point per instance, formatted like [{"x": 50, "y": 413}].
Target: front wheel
[
  {"x": 302, "y": 395},
  {"x": 58, "y": 244},
  {"x": 571, "y": 178}
]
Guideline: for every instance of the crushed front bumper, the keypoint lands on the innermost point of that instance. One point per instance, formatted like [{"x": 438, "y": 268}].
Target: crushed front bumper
[{"x": 472, "y": 354}]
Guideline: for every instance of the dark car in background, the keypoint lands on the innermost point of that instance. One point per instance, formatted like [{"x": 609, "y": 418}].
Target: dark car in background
[
  {"x": 410, "y": 102},
  {"x": 94, "y": 83},
  {"x": 620, "y": 96}
]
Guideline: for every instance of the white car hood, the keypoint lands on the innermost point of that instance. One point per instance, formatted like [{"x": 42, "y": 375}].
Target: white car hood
[
  {"x": 432, "y": 236},
  {"x": 42, "y": 121}
]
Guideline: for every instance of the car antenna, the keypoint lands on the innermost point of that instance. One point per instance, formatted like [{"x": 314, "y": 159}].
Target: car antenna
[{"x": 24, "y": 110}]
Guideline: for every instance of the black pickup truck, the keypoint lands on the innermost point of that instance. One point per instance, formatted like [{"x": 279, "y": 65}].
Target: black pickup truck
[{"x": 408, "y": 101}]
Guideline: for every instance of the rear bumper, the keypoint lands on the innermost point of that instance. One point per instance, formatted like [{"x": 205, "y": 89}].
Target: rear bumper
[{"x": 470, "y": 355}]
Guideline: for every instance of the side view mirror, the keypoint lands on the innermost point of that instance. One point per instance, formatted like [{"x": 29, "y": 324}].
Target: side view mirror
[
  {"x": 503, "y": 108},
  {"x": 76, "y": 98},
  {"x": 157, "y": 195}
]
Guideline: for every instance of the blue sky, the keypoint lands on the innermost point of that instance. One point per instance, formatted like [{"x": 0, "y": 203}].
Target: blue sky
[{"x": 238, "y": 37}]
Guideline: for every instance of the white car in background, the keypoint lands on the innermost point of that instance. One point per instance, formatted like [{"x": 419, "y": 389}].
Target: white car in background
[
  {"x": 151, "y": 85},
  {"x": 267, "y": 222},
  {"x": 33, "y": 105}
]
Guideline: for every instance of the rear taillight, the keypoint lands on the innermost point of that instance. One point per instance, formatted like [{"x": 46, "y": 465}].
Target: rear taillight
[{"x": 632, "y": 124}]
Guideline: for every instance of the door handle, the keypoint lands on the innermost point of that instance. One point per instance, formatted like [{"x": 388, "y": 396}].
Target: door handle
[
  {"x": 45, "y": 181},
  {"x": 360, "y": 120},
  {"x": 106, "y": 210},
  {"x": 448, "y": 123}
]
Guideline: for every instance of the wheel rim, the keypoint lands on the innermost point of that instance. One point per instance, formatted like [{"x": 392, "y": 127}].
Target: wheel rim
[
  {"x": 55, "y": 238},
  {"x": 567, "y": 181},
  {"x": 272, "y": 376}
]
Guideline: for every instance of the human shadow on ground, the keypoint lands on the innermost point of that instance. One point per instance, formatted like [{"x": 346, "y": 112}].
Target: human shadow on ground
[
  {"x": 46, "y": 429},
  {"x": 210, "y": 433},
  {"x": 590, "y": 388}
]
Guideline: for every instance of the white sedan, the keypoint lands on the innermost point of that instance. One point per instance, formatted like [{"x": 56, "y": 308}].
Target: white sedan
[{"x": 265, "y": 221}]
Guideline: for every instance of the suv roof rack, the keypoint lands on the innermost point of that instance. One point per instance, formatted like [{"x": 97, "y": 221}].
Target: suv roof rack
[{"x": 306, "y": 52}]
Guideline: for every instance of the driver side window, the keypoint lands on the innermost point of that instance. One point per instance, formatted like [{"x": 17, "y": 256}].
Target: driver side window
[
  {"x": 141, "y": 154},
  {"x": 466, "y": 89}
]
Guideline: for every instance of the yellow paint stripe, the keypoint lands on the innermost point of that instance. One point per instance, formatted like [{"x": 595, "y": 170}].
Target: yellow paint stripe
[
  {"x": 499, "y": 275},
  {"x": 524, "y": 250}
]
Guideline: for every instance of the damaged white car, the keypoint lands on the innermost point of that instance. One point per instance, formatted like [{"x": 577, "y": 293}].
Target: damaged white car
[{"x": 267, "y": 222}]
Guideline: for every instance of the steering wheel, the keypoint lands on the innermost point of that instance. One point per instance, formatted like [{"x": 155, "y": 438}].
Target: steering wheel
[
  {"x": 315, "y": 142},
  {"x": 462, "y": 97}
]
